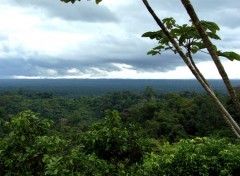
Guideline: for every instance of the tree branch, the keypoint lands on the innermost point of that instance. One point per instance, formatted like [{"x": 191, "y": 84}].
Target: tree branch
[
  {"x": 228, "y": 118},
  {"x": 196, "y": 68},
  {"x": 191, "y": 12}
]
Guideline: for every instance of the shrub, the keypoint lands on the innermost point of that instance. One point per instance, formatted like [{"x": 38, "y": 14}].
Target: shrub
[{"x": 199, "y": 156}]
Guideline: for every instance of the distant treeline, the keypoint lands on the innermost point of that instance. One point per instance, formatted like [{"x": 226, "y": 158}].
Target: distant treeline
[{"x": 78, "y": 87}]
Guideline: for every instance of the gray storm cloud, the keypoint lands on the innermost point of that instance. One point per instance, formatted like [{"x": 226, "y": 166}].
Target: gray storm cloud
[
  {"x": 121, "y": 46},
  {"x": 84, "y": 11}
]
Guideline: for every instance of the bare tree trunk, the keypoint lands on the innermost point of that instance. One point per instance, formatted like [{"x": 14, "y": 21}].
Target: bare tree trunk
[
  {"x": 189, "y": 8},
  {"x": 227, "y": 117},
  {"x": 197, "y": 70}
]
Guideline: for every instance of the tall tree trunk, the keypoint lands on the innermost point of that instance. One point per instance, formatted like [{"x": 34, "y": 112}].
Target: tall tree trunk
[
  {"x": 189, "y": 8},
  {"x": 227, "y": 117}
]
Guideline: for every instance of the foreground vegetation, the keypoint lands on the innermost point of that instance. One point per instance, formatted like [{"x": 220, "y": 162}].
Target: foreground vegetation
[{"x": 122, "y": 133}]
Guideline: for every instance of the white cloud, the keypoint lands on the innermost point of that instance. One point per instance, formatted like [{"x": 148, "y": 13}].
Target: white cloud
[
  {"x": 50, "y": 39},
  {"x": 231, "y": 67},
  {"x": 73, "y": 71},
  {"x": 47, "y": 72}
]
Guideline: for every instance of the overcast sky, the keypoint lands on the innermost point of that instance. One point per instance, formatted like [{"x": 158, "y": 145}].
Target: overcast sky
[{"x": 51, "y": 39}]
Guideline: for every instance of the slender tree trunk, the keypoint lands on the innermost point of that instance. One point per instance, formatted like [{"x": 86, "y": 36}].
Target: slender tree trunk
[
  {"x": 227, "y": 117},
  {"x": 189, "y": 8},
  {"x": 197, "y": 70}
]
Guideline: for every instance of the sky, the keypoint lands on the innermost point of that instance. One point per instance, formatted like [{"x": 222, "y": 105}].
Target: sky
[{"x": 51, "y": 39}]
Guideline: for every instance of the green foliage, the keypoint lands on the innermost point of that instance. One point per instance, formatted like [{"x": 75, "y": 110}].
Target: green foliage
[
  {"x": 112, "y": 148},
  {"x": 186, "y": 114},
  {"x": 108, "y": 148},
  {"x": 199, "y": 156},
  {"x": 77, "y": 162},
  {"x": 113, "y": 142},
  {"x": 211, "y": 26},
  {"x": 23, "y": 148},
  {"x": 28, "y": 124},
  {"x": 230, "y": 55},
  {"x": 187, "y": 37}
]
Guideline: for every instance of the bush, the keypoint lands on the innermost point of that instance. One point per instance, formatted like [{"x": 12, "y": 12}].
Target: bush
[
  {"x": 23, "y": 149},
  {"x": 199, "y": 156}
]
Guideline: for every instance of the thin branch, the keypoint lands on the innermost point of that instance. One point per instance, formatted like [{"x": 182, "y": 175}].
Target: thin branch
[
  {"x": 191, "y": 12},
  {"x": 196, "y": 68},
  {"x": 230, "y": 121}
]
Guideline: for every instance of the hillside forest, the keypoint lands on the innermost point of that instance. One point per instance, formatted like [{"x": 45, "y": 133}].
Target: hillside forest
[{"x": 117, "y": 133}]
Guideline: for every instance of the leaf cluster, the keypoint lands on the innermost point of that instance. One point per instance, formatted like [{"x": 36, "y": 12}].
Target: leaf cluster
[
  {"x": 110, "y": 148},
  {"x": 199, "y": 156},
  {"x": 112, "y": 141},
  {"x": 187, "y": 37}
]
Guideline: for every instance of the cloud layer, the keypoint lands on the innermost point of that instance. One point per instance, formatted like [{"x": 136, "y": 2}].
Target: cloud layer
[{"x": 51, "y": 39}]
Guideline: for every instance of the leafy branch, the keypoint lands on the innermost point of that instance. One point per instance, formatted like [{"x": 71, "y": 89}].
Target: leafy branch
[
  {"x": 202, "y": 33},
  {"x": 187, "y": 37}
]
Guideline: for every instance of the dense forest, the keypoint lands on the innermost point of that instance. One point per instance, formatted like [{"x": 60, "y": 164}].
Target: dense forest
[
  {"x": 117, "y": 133},
  {"x": 118, "y": 128}
]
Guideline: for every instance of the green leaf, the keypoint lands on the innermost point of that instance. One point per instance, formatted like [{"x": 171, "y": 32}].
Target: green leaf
[
  {"x": 168, "y": 48},
  {"x": 194, "y": 49},
  {"x": 215, "y": 47},
  {"x": 147, "y": 34},
  {"x": 176, "y": 32},
  {"x": 23, "y": 138},
  {"x": 159, "y": 47},
  {"x": 98, "y": 1},
  {"x": 213, "y": 36},
  {"x": 182, "y": 39},
  {"x": 192, "y": 33},
  {"x": 150, "y": 34},
  {"x": 200, "y": 45},
  {"x": 158, "y": 35},
  {"x": 169, "y": 22},
  {"x": 210, "y": 26},
  {"x": 229, "y": 55},
  {"x": 55, "y": 171},
  {"x": 152, "y": 52}
]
